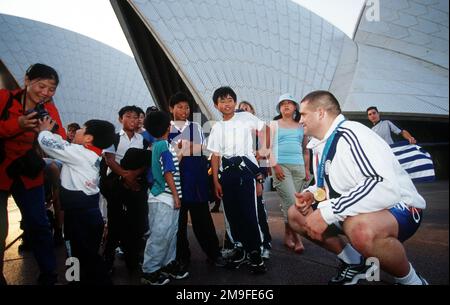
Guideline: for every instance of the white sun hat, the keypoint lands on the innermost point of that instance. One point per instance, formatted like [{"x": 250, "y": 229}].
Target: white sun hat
[{"x": 287, "y": 97}]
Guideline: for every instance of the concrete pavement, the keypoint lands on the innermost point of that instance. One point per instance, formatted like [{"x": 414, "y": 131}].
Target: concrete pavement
[{"x": 427, "y": 250}]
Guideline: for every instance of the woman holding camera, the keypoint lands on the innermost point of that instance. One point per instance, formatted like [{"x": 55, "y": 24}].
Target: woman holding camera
[{"x": 21, "y": 166}]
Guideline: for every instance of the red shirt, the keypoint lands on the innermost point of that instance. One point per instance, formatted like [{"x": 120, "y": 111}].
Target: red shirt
[{"x": 17, "y": 141}]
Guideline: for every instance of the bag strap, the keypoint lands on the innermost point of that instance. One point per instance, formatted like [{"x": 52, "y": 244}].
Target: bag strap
[
  {"x": 145, "y": 144},
  {"x": 116, "y": 141},
  {"x": 5, "y": 113}
]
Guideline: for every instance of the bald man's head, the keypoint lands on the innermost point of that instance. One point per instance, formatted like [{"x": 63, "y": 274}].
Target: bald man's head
[{"x": 323, "y": 99}]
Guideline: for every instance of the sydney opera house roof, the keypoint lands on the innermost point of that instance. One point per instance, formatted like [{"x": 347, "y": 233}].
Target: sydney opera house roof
[
  {"x": 400, "y": 62},
  {"x": 95, "y": 79},
  {"x": 263, "y": 48}
]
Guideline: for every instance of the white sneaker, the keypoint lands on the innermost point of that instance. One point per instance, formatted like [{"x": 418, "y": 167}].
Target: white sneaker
[{"x": 265, "y": 254}]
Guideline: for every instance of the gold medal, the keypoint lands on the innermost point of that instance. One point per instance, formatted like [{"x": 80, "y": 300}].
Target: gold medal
[{"x": 320, "y": 194}]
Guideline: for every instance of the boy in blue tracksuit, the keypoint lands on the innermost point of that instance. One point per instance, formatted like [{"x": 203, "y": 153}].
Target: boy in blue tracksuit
[
  {"x": 79, "y": 192},
  {"x": 187, "y": 137},
  {"x": 231, "y": 143}
]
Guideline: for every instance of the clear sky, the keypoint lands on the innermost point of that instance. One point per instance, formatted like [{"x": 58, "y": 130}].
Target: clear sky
[
  {"x": 93, "y": 18},
  {"x": 96, "y": 18},
  {"x": 344, "y": 14}
]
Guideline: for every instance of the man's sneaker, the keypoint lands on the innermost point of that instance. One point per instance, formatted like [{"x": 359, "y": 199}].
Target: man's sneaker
[
  {"x": 265, "y": 254},
  {"x": 236, "y": 258},
  {"x": 154, "y": 278},
  {"x": 175, "y": 271},
  {"x": 256, "y": 262},
  {"x": 350, "y": 274}
]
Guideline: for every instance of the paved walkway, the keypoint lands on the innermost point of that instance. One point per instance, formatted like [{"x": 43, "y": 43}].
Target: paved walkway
[{"x": 428, "y": 251}]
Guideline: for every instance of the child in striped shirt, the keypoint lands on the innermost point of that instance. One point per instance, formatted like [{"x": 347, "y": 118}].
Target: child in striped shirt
[{"x": 164, "y": 204}]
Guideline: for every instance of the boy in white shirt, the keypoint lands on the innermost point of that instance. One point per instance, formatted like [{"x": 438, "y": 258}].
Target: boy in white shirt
[
  {"x": 231, "y": 143},
  {"x": 79, "y": 193}
]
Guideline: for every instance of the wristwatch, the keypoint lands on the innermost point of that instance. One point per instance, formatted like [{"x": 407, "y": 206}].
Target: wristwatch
[{"x": 260, "y": 179}]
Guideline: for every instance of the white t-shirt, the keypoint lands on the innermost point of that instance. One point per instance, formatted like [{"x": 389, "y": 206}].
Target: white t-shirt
[
  {"x": 137, "y": 141},
  {"x": 234, "y": 138},
  {"x": 125, "y": 143}
]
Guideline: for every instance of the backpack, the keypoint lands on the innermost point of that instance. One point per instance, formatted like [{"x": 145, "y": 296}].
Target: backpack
[
  {"x": 108, "y": 182},
  {"x": 104, "y": 166}
]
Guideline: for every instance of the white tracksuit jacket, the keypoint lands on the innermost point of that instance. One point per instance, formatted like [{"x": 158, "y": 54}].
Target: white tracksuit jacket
[
  {"x": 80, "y": 170},
  {"x": 363, "y": 174}
]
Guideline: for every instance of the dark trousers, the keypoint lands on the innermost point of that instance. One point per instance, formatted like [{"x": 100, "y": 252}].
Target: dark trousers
[
  {"x": 83, "y": 227},
  {"x": 263, "y": 224},
  {"x": 204, "y": 231},
  {"x": 240, "y": 206},
  {"x": 35, "y": 221},
  {"x": 127, "y": 224}
]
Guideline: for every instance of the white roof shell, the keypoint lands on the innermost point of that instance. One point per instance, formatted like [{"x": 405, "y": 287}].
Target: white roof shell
[
  {"x": 95, "y": 79},
  {"x": 263, "y": 48},
  {"x": 399, "y": 63},
  {"x": 260, "y": 48}
]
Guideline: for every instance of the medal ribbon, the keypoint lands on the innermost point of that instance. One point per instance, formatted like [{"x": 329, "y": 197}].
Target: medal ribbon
[{"x": 321, "y": 167}]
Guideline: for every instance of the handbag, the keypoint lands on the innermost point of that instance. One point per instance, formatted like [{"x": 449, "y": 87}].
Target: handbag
[{"x": 29, "y": 165}]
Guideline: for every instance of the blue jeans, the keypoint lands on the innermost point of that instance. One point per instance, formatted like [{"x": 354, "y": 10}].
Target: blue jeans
[{"x": 32, "y": 207}]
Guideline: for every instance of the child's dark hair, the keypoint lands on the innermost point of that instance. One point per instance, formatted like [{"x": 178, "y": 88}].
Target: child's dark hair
[
  {"x": 178, "y": 98},
  {"x": 74, "y": 126},
  {"x": 372, "y": 108},
  {"x": 296, "y": 116},
  {"x": 156, "y": 123},
  {"x": 150, "y": 109},
  {"x": 41, "y": 71},
  {"x": 223, "y": 92},
  {"x": 126, "y": 109},
  {"x": 103, "y": 132},
  {"x": 140, "y": 111}
]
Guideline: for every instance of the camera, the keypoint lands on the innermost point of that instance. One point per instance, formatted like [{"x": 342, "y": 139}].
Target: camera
[{"x": 41, "y": 114}]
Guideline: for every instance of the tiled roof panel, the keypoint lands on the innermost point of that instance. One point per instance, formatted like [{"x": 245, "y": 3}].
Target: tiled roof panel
[
  {"x": 95, "y": 80},
  {"x": 229, "y": 37}
]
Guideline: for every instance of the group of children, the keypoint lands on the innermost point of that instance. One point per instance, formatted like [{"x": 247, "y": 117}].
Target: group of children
[
  {"x": 154, "y": 172},
  {"x": 152, "y": 176}
]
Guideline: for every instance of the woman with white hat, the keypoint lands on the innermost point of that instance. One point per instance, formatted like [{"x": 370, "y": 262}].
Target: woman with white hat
[{"x": 289, "y": 161}]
